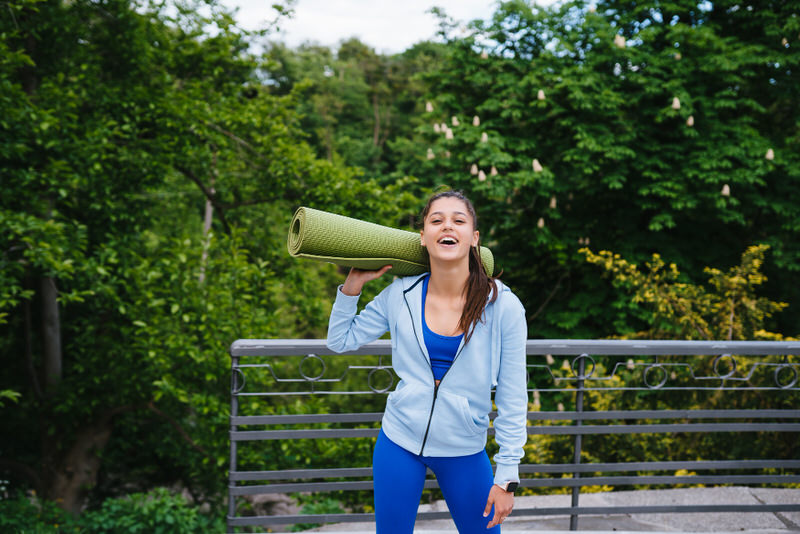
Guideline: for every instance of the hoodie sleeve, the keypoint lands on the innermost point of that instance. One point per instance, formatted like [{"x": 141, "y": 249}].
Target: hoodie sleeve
[
  {"x": 348, "y": 331},
  {"x": 511, "y": 395}
]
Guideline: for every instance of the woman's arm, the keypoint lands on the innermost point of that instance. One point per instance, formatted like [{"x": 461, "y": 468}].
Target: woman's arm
[
  {"x": 511, "y": 395},
  {"x": 348, "y": 331},
  {"x": 511, "y": 398}
]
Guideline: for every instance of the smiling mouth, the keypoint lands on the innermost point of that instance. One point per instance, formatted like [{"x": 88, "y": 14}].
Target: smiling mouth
[{"x": 448, "y": 241}]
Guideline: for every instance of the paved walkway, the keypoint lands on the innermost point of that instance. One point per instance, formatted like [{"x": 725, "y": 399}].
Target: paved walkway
[{"x": 756, "y": 523}]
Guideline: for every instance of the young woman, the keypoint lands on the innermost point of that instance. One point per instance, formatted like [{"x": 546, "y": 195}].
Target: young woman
[{"x": 456, "y": 333}]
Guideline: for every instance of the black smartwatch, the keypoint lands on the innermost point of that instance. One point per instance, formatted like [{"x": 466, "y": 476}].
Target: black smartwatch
[{"x": 510, "y": 487}]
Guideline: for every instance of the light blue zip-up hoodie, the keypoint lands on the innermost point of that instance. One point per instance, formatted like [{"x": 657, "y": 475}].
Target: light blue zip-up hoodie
[{"x": 450, "y": 419}]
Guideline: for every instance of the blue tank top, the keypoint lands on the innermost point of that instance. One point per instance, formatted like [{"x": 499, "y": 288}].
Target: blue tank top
[{"x": 441, "y": 349}]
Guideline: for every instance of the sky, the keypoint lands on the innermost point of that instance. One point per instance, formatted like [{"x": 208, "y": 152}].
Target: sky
[{"x": 388, "y": 26}]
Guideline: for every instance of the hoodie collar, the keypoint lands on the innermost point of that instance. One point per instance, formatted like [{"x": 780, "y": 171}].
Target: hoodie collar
[
  {"x": 413, "y": 300},
  {"x": 412, "y": 294}
]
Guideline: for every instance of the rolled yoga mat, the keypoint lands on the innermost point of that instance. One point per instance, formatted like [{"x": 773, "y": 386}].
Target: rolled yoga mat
[{"x": 323, "y": 236}]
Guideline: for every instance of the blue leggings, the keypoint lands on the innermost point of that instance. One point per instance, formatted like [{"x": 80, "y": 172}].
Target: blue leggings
[{"x": 399, "y": 476}]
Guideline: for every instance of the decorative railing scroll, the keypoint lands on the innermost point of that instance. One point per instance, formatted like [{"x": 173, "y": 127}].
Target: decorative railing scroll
[{"x": 553, "y": 365}]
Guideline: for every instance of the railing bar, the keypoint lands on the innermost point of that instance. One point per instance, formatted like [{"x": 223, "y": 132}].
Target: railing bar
[
  {"x": 289, "y": 519},
  {"x": 290, "y": 474},
  {"x": 312, "y": 486},
  {"x": 549, "y": 390},
  {"x": 255, "y": 435},
  {"x": 318, "y": 392},
  {"x": 663, "y": 414},
  {"x": 578, "y": 423},
  {"x": 582, "y": 510},
  {"x": 530, "y": 483},
  {"x": 658, "y": 509},
  {"x": 232, "y": 462},
  {"x": 284, "y": 488},
  {"x": 607, "y": 347},
  {"x": 657, "y": 479},
  {"x": 299, "y": 474},
  {"x": 660, "y": 466},
  {"x": 293, "y": 347},
  {"x": 663, "y": 428},
  {"x": 532, "y": 416},
  {"x": 666, "y": 388},
  {"x": 366, "y": 417}
]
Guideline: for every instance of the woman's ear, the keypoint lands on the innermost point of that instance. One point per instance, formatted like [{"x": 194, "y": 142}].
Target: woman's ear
[
  {"x": 475, "y": 238},
  {"x": 422, "y": 238}
]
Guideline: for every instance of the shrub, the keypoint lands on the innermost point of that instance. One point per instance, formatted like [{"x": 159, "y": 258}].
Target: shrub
[
  {"x": 325, "y": 506},
  {"x": 155, "y": 512},
  {"x": 30, "y": 515}
]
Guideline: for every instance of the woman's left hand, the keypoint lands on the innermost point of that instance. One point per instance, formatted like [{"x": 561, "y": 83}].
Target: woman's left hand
[{"x": 503, "y": 502}]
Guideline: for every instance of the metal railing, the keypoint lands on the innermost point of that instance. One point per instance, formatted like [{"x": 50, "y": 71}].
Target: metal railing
[{"x": 267, "y": 375}]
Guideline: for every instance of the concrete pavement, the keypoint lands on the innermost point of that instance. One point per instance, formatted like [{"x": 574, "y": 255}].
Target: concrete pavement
[{"x": 752, "y": 522}]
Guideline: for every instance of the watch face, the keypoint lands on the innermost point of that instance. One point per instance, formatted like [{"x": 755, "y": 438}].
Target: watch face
[{"x": 512, "y": 486}]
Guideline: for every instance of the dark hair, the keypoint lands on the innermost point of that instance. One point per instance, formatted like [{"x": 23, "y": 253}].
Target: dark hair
[{"x": 480, "y": 288}]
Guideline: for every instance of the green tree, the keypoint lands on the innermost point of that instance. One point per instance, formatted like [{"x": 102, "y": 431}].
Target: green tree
[
  {"x": 149, "y": 180},
  {"x": 641, "y": 128},
  {"x": 358, "y": 103}
]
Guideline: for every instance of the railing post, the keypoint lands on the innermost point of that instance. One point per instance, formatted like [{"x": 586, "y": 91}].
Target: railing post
[
  {"x": 234, "y": 412},
  {"x": 576, "y": 460}
]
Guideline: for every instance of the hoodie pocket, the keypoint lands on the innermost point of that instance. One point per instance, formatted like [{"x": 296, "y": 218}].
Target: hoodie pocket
[
  {"x": 397, "y": 396},
  {"x": 452, "y": 417},
  {"x": 407, "y": 412}
]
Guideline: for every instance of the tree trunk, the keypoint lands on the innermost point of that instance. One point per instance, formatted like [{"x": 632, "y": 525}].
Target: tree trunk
[
  {"x": 207, "y": 220},
  {"x": 51, "y": 333},
  {"x": 32, "y": 374},
  {"x": 77, "y": 473},
  {"x": 206, "y": 229}
]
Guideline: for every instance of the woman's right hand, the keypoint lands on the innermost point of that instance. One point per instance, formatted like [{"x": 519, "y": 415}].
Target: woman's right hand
[{"x": 358, "y": 277}]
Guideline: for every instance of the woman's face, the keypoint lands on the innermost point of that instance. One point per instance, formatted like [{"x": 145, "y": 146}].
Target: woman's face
[{"x": 448, "y": 230}]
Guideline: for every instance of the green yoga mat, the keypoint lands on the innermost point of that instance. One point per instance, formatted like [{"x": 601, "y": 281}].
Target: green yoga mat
[{"x": 323, "y": 236}]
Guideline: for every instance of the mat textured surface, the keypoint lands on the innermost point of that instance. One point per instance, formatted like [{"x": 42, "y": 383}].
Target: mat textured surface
[{"x": 323, "y": 236}]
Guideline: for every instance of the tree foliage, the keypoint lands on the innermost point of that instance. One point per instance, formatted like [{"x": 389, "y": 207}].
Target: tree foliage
[
  {"x": 149, "y": 180},
  {"x": 639, "y": 128},
  {"x": 727, "y": 309},
  {"x": 629, "y": 126}
]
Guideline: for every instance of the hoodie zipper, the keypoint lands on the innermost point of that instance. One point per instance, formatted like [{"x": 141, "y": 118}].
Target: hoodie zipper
[{"x": 433, "y": 376}]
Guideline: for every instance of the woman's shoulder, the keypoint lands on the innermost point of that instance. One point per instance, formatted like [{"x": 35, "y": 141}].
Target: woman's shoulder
[
  {"x": 507, "y": 300},
  {"x": 407, "y": 282},
  {"x": 402, "y": 283}
]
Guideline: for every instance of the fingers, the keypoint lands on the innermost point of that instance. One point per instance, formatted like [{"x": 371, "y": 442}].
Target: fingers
[
  {"x": 503, "y": 504},
  {"x": 498, "y": 518},
  {"x": 373, "y": 275},
  {"x": 383, "y": 270},
  {"x": 358, "y": 277},
  {"x": 488, "y": 509},
  {"x": 369, "y": 273}
]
